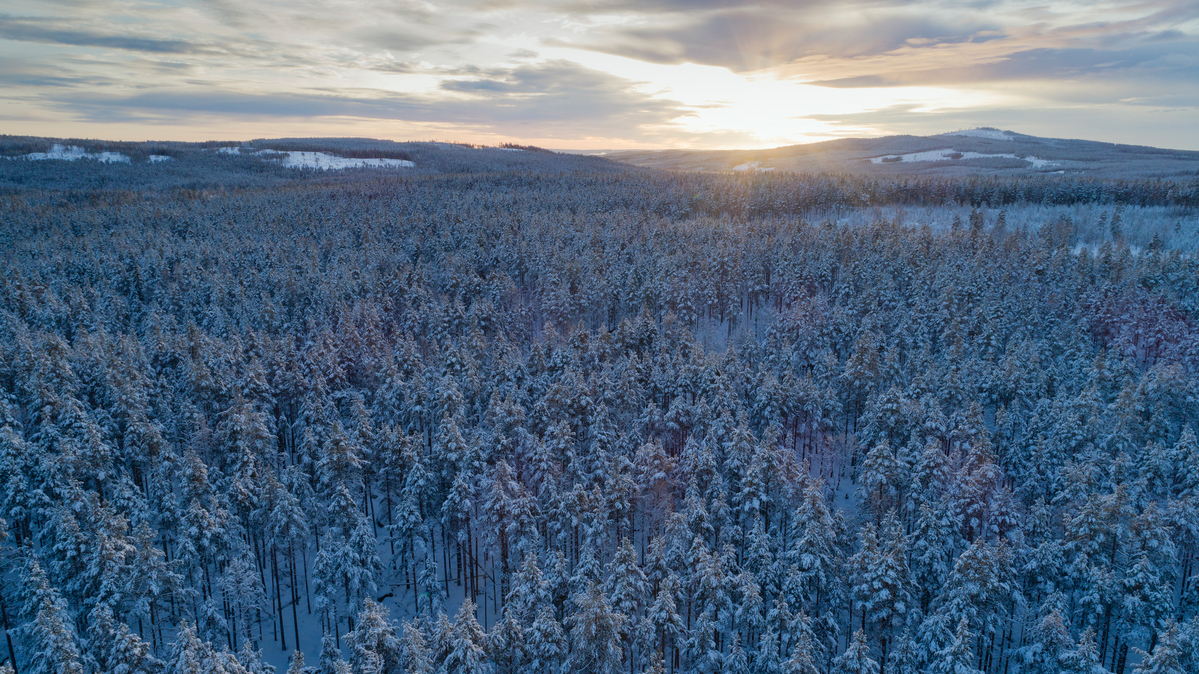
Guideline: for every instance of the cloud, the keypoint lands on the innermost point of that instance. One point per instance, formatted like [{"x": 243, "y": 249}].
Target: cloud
[
  {"x": 54, "y": 31},
  {"x": 761, "y": 37},
  {"x": 555, "y": 99},
  {"x": 562, "y": 91},
  {"x": 856, "y": 43},
  {"x": 1149, "y": 65}
]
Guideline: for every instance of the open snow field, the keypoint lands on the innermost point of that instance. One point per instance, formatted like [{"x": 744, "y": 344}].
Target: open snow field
[
  {"x": 322, "y": 160},
  {"x": 74, "y": 153}
]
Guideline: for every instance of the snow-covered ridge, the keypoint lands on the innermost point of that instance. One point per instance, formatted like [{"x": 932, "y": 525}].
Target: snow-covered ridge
[
  {"x": 951, "y": 154},
  {"x": 993, "y": 134},
  {"x": 323, "y": 160},
  {"x": 73, "y": 153}
]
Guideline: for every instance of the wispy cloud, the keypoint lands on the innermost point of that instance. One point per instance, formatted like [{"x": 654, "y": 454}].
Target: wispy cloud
[
  {"x": 550, "y": 100},
  {"x": 62, "y": 32}
]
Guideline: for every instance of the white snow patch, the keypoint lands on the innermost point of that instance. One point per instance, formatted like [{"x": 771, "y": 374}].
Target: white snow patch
[
  {"x": 73, "y": 153},
  {"x": 752, "y": 166},
  {"x": 325, "y": 161},
  {"x": 155, "y": 158},
  {"x": 993, "y": 134},
  {"x": 951, "y": 154}
]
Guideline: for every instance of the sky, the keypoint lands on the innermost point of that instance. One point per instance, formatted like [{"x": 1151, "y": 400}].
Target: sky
[{"x": 603, "y": 74}]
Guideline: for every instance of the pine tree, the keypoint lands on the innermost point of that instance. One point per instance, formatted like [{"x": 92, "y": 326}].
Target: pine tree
[
  {"x": 547, "y": 643},
  {"x": 981, "y": 586},
  {"x": 957, "y": 657},
  {"x": 856, "y": 659},
  {"x": 331, "y": 661},
  {"x": 1084, "y": 658},
  {"x": 416, "y": 656},
  {"x": 736, "y": 662},
  {"x": 508, "y": 514},
  {"x": 466, "y": 644},
  {"x": 374, "y": 644},
  {"x": 50, "y": 632},
  {"x": 1050, "y": 640},
  {"x": 297, "y": 663},
  {"x": 701, "y": 653},
  {"x": 1167, "y": 655},
  {"x": 249, "y": 659},
  {"x": 1148, "y": 598},
  {"x": 190, "y": 655},
  {"x": 803, "y": 658},
  {"x": 241, "y": 587},
  {"x": 816, "y": 553},
  {"x": 627, "y": 589},
  {"x": 506, "y": 647},
  {"x": 112, "y": 647},
  {"x": 663, "y": 625},
  {"x": 595, "y": 631},
  {"x": 879, "y": 479},
  {"x": 766, "y": 659},
  {"x": 529, "y": 591}
]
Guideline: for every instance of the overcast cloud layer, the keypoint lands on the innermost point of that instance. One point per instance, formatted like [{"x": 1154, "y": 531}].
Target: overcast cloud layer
[{"x": 602, "y": 74}]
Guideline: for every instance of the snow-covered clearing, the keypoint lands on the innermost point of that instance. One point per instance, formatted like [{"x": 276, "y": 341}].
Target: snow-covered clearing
[
  {"x": 950, "y": 154},
  {"x": 73, "y": 153},
  {"x": 752, "y": 166},
  {"x": 155, "y": 158},
  {"x": 323, "y": 160}
]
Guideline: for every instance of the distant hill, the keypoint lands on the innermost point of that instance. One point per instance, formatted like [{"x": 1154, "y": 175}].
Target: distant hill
[
  {"x": 983, "y": 151},
  {"x": 35, "y": 163}
]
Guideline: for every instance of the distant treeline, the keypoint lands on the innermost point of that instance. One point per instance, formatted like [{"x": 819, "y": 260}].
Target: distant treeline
[{"x": 790, "y": 193}]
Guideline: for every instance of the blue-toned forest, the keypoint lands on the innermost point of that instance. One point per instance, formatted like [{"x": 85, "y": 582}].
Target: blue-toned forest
[{"x": 577, "y": 417}]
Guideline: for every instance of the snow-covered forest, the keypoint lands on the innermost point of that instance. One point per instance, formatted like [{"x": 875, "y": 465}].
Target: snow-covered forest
[{"x": 633, "y": 422}]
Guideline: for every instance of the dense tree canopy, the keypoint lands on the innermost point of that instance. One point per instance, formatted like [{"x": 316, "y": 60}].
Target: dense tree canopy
[{"x": 615, "y": 422}]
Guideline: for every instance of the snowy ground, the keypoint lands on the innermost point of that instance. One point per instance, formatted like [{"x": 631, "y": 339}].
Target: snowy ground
[
  {"x": 752, "y": 166},
  {"x": 73, "y": 153},
  {"x": 951, "y": 154},
  {"x": 323, "y": 160}
]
